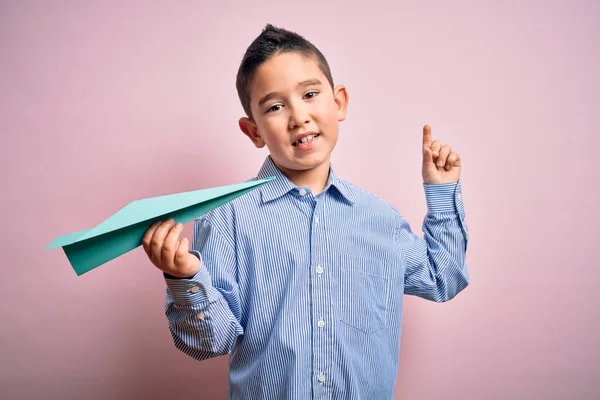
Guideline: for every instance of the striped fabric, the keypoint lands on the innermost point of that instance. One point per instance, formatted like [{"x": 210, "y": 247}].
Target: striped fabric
[{"x": 305, "y": 293}]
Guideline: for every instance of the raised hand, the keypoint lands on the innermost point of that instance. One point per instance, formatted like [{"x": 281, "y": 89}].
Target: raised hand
[
  {"x": 440, "y": 163},
  {"x": 169, "y": 254}
]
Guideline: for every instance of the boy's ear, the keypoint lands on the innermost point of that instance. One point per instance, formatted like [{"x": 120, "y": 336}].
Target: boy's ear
[
  {"x": 249, "y": 128},
  {"x": 340, "y": 95}
]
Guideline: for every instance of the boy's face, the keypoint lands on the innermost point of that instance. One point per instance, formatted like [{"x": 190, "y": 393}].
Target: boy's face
[{"x": 295, "y": 112}]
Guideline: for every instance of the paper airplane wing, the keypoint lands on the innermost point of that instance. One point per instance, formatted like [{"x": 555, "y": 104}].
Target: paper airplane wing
[{"x": 124, "y": 230}]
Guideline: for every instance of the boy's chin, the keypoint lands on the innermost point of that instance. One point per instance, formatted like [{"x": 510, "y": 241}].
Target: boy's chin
[{"x": 306, "y": 164}]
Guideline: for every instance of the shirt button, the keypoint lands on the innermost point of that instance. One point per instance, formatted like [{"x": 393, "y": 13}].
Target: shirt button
[
  {"x": 321, "y": 378},
  {"x": 317, "y": 220},
  {"x": 321, "y": 323},
  {"x": 319, "y": 270},
  {"x": 302, "y": 192},
  {"x": 194, "y": 289}
]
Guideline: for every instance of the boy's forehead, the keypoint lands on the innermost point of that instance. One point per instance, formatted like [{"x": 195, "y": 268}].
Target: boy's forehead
[{"x": 284, "y": 72}]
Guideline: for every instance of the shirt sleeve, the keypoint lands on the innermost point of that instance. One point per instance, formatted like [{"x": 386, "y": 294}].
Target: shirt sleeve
[
  {"x": 436, "y": 266},
  {"x": 203, "y": 311}
]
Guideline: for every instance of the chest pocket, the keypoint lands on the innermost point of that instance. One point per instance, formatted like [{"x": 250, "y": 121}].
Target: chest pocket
[{"x": 364, "y": 289}]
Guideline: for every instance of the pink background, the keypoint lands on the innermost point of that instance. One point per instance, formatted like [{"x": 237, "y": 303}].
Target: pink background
[{"x": 106, "y": 102}]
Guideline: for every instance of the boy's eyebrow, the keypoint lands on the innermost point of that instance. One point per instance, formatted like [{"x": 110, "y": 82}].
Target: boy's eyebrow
[
  {"x": 310, "y": 82},
  {"x": 269, "y": 96}
]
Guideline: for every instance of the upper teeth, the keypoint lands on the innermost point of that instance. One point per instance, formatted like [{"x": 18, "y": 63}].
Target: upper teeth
[{"x": 307, "y": 138}]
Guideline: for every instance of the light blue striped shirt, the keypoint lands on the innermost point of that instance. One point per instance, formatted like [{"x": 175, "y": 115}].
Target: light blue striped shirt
[{"x": 305, "y": 293}]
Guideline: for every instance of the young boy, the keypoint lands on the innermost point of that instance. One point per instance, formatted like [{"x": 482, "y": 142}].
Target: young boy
[{"x": 301, "y": 280}]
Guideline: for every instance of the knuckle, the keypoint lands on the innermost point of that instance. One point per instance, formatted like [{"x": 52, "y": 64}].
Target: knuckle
[
  {"x": 155, "y": 244},
  {"x": 167, "y": 248}
]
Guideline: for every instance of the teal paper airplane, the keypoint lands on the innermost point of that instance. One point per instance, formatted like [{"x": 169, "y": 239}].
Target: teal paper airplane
[{"x": 124, "y": 230}]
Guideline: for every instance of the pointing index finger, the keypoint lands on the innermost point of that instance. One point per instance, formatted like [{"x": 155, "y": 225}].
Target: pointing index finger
[{"x": 427, "y": 135}]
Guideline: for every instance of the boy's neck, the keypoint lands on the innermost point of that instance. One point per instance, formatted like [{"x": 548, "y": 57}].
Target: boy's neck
[{"x": 315, "y": 179}]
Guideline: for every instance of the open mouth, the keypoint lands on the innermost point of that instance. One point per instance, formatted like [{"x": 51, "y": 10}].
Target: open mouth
[{"x": 306, "y": 139}]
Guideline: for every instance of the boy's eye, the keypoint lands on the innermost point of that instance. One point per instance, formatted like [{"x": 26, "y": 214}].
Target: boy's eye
[
  {"x": 311, "y": 95},
  {"x": 275, "y": 107}
]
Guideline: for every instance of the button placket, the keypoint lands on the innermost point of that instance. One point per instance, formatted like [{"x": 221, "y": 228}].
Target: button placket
[{"x": 320, "y": 303}]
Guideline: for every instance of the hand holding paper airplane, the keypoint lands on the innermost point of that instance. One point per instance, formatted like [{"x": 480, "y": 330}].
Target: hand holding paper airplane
[
  {"x": 167, "y": 252},
  {"x": 124, "y": 230}
]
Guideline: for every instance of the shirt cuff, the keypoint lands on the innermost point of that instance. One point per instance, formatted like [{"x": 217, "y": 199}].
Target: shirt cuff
[
  {"x": 444, "y": 197},
  {"x": 190, "y": 291}
]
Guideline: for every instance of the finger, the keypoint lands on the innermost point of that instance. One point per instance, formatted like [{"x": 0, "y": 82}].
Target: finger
[
  {"x": 183, "y": 248},
  {"x": 435, "y": 149},
  {"x": 452, "y": 160},
  {"x": 148, "y": 237},
  {"x": 427, "y": 135},
  {"x": 158, "y": 238},
  {"x": 169, "y": 246},
  {"x": 444, "y": 153}
]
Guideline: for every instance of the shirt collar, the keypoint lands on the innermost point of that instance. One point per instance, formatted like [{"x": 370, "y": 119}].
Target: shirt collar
[{"x": 282, "y": 185}]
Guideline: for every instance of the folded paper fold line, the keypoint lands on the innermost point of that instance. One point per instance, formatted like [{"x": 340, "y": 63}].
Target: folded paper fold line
[{"x": 124, "y": 230}]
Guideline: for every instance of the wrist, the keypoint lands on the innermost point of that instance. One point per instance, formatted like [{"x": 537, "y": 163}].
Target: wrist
[
  {"x": 440, "y": 182},
  {"x": 169, "y": 276}
]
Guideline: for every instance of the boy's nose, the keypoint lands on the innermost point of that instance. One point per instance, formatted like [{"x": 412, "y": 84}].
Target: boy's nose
[{"x": 298, "y": 117}]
